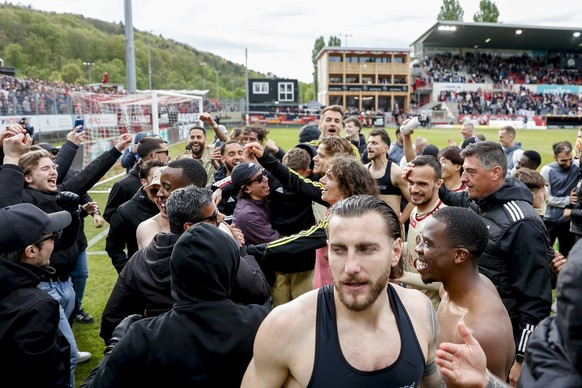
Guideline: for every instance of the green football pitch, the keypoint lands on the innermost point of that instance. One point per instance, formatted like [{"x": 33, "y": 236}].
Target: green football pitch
[{"x": 102, "y": 275}]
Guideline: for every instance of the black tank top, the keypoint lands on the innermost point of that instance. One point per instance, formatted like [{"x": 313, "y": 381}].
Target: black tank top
[
  {"x": 385, "y": 183},
  {"x": 331, "y": 369}
]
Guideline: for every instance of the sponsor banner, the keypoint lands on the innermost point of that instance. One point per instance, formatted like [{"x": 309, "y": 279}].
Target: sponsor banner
[
  {"x": 189, "y": 117},
  {"x": 558, "y": 89},
  {"x": 368, "y": 88},
  {"x": 61, "y": 123}
]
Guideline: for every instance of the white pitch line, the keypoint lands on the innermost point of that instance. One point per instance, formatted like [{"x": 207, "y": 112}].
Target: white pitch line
[{"x": 98, "y": 237}]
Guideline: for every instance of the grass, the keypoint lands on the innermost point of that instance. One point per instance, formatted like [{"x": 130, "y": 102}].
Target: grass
[{"x": 102, "y": 275}]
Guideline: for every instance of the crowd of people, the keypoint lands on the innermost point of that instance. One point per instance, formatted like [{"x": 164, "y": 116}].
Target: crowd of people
[
  {"x": 501, "y": 71},
  {"x": 316, "y": 255},
  {"x": 513, "y": 103}
]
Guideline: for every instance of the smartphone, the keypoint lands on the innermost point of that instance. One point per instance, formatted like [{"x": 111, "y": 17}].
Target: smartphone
[{"x": 79, "y": 122}]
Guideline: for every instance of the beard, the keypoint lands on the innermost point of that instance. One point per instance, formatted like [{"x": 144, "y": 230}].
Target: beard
[{"x": 360, "y": 305}]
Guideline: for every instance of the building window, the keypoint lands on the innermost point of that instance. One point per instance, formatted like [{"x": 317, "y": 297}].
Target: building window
[
  {"x": 260, "y": 88},
  {"x": 333, "y": 58},
  {"x": 286, "y": 91}
]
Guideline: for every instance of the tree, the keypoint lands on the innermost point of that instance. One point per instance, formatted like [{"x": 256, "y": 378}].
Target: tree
[
  {"x": 451, "y": 10},
  {"x": 71, "y": 73},
  {"x": 334, "y": 41},
  {"x": 15, "y": 56},
  {"x": 487, "y": 13}
]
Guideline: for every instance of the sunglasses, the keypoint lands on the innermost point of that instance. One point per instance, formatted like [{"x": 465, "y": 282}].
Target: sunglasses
[
  {"x": 260, "y": 178},
  {"x": 53, "y": 237},
  {"x": 213, "y": 217},
  {"x": 167, "y": 152}
]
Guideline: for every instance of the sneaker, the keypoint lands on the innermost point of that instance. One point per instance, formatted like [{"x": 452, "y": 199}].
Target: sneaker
[
  {"x": 83, "y": 317},
  {"x": 83, "y": 357}
]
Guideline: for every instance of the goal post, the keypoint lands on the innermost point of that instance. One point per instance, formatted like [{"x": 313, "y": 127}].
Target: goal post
[{"x": 164, "y": 113}]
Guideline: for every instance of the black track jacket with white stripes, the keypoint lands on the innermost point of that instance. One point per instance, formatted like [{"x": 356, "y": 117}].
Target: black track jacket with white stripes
[{"x": 517, "y": 255}]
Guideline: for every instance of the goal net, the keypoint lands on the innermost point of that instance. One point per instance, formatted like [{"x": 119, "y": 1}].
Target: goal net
[{"x": 167, "y": 114}]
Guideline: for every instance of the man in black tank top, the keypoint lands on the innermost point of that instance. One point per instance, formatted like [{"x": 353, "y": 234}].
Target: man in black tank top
[{"x": 361, "y": 332}]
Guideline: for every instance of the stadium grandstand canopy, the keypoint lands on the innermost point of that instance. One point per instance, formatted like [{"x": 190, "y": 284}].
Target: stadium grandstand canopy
[{"x": 499, "y": 36}]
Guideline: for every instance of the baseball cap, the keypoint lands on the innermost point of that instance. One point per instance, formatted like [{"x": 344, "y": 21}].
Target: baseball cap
[
  {"x": 23, "y": 224},
  {"x": 241, "y": 173},
  {"x": 155, "y": 184},
  {"x": 139, "y": 136},
  {"x": 49, "y": 147},
  {"x": 308, "y": 133}
]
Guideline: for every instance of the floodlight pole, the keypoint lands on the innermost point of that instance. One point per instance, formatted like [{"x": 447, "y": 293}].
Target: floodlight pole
[{"x": 129, "y": 50}]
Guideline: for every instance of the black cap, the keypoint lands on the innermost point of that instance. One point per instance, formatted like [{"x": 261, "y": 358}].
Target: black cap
[
  {"x": 24, "y": 224},
  {"x": 308, "y": 133},
  {"x": 49, "y": 147},
  {"x": 242, "y": 172},
  {"x": 430, "y": 149}
]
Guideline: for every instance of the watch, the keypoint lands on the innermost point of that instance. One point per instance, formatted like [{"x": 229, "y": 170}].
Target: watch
[{"x": 519, "y": 358}]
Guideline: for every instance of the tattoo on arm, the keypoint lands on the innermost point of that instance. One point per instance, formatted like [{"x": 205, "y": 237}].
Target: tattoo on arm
[{"x": 494, "y": 382}]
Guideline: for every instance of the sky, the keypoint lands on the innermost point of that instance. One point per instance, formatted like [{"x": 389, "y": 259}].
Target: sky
[{"x": 279, "y": 35}]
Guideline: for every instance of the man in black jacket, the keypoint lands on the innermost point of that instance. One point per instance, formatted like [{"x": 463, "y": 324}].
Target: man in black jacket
[
  {"x": 39, "y": 171},
  {"x": 518, "y": 254},
  {"x": 149, "y": 148},
  {"x": 143, "y": 287},
  {"x": 125, "y": 220},
  {"x": 33, "y": 352},
  {"x": 205, "y": 340}
]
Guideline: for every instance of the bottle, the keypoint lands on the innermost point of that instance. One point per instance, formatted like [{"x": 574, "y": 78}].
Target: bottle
[{"x": 412, "y": 124}]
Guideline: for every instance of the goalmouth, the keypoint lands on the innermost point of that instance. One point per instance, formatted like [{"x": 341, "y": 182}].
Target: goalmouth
[{"x": 167, "y": 114}]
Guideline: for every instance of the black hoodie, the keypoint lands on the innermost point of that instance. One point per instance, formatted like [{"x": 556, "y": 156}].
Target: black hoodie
[
  {"x": 33, "y": 352},
  {"x": 205, "y": 340}
]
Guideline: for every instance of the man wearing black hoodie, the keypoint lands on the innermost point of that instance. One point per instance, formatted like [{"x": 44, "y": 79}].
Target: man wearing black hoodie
[
  {"x": 206, "y": 339},
  {"x": 518, "y": 254},
  {"x": 143, "y": 287}
]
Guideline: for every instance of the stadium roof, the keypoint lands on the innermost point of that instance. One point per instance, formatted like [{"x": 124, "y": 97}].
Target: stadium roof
[{"x": 501, "y": 36}]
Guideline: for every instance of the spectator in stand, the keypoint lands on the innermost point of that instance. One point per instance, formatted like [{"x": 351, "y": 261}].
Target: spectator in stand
[{"x": 33, "y": 350}]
